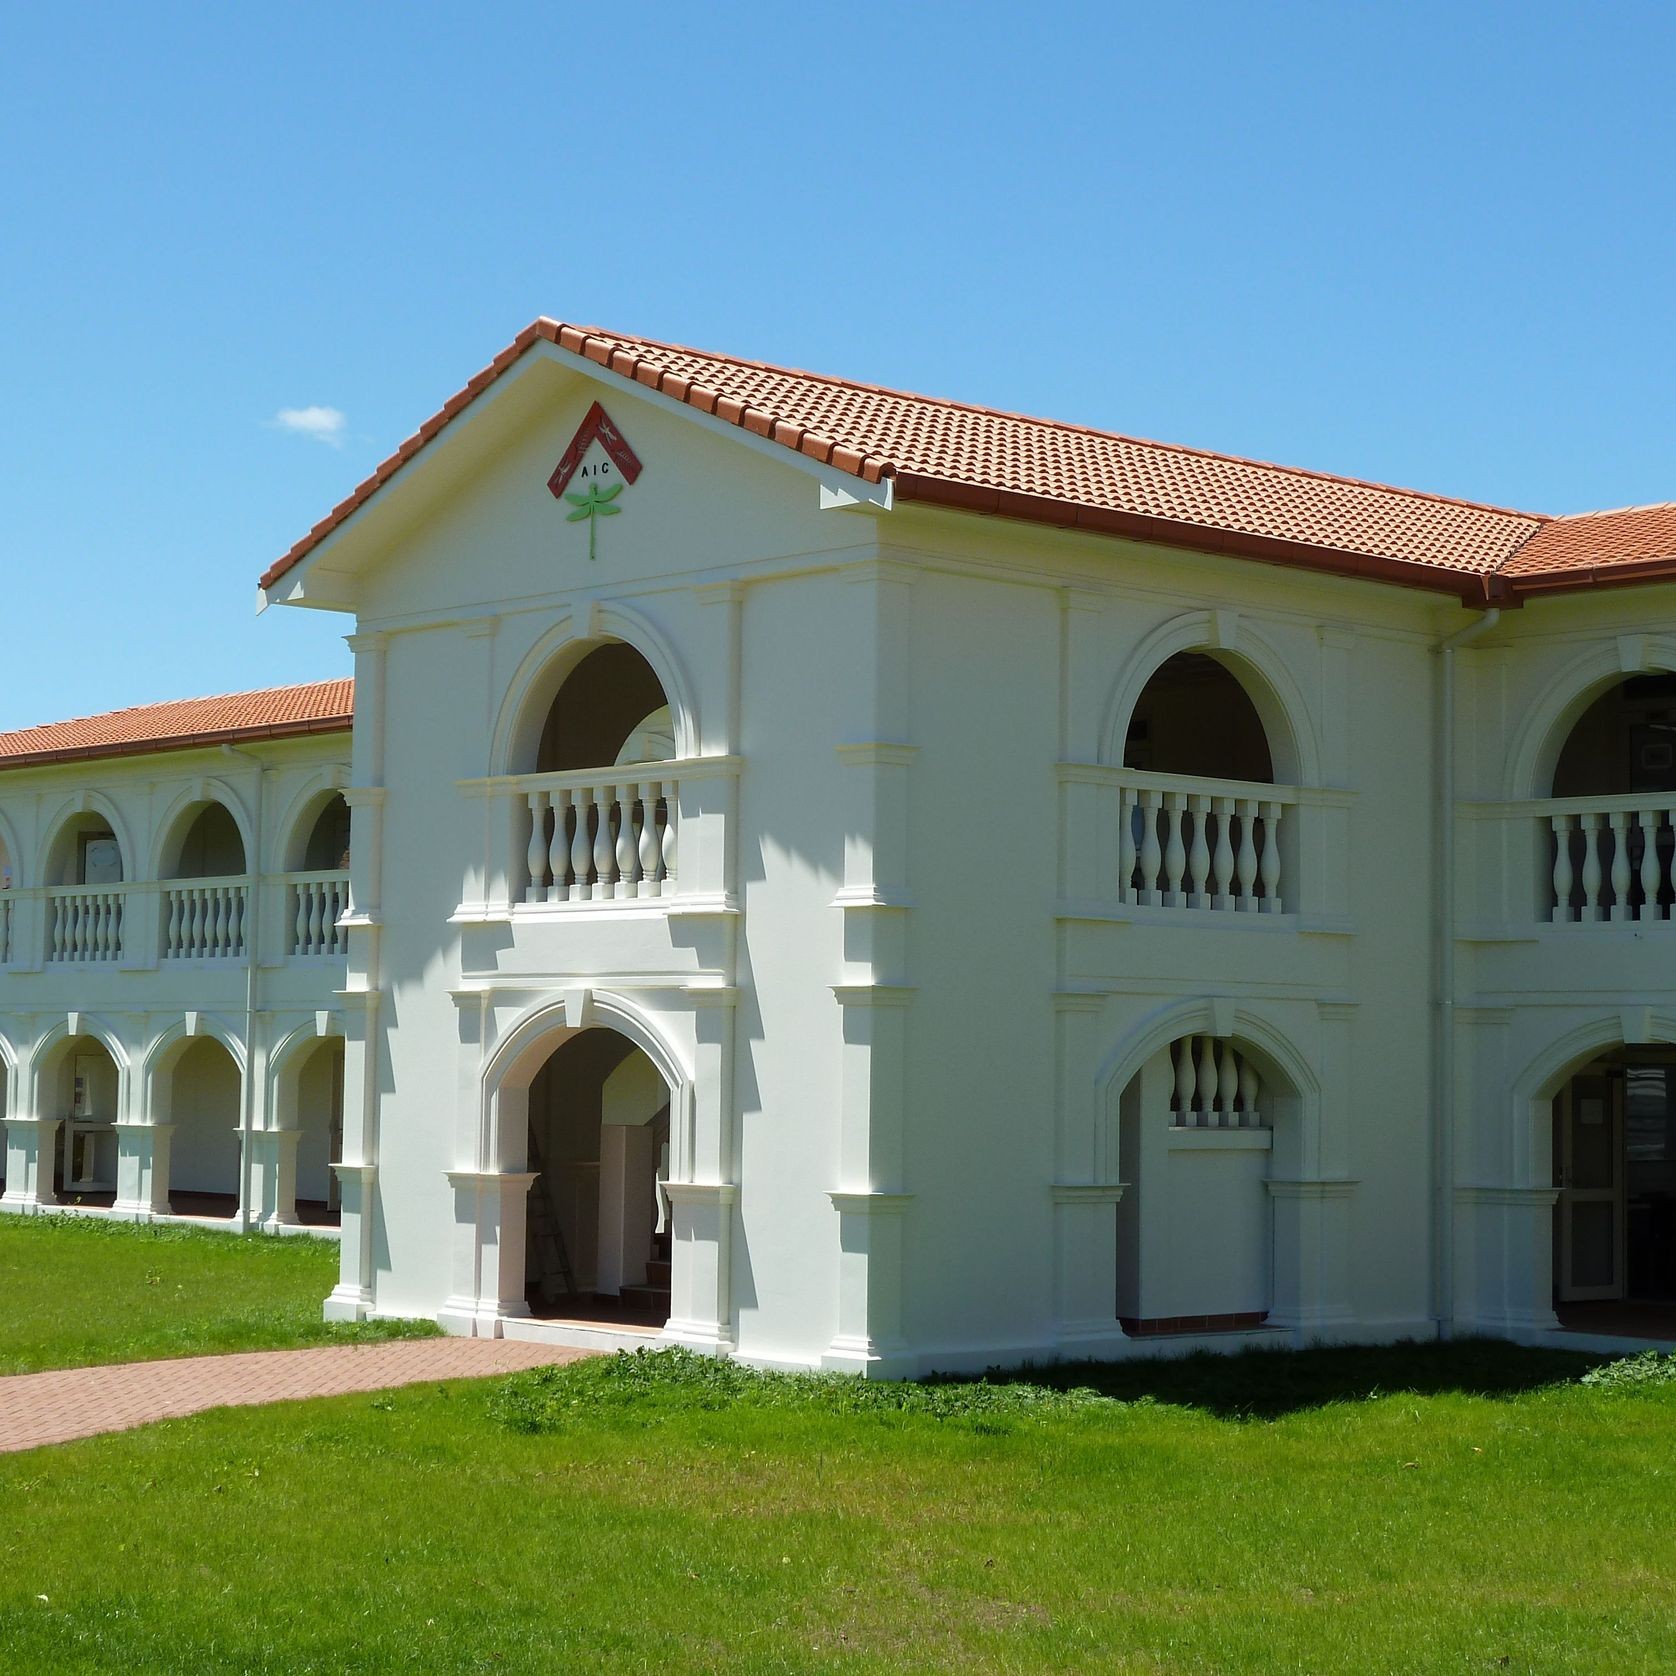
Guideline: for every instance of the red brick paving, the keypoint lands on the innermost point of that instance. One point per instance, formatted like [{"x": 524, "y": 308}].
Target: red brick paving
[{"x": 41, "y": 1408}]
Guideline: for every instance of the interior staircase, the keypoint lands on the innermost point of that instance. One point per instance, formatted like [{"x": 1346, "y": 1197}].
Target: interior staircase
[{"x": 652, "y": 1296}]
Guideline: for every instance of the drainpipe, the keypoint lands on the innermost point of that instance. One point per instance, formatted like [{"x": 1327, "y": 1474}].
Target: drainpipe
[
  {"x": 252, "y": 979},
  {"x": 1443, "y": 1099}
]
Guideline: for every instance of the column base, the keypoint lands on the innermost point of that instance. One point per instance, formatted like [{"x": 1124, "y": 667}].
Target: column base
[{"x": 346, "y": 1303}]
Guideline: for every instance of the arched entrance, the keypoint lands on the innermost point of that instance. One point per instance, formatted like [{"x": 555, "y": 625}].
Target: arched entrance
[
  {"x": 81, "y": 1085},
  {"x": 1197, "y": 1127},
  {"x": 1611, "y": 853},
  {"x": 597, "y": 1236},
  {"x": 1614, "y": 1152},
  {"x": 293, "y": 1179},
  {"x": 197, "y": 1088}
]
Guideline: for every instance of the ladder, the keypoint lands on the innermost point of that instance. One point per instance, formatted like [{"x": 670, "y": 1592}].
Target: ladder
[{"x": 549, "y": 1237}]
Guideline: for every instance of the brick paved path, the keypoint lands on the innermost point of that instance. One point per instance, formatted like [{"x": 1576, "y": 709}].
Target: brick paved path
[{"x": 38, "y": 1408}]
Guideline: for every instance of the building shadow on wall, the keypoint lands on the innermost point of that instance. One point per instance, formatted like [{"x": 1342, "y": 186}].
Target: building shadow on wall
[{"x": 1266, "y": 1384}]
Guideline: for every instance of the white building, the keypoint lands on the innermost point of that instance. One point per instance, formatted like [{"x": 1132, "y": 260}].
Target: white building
[{"x": 852, "y": 880}]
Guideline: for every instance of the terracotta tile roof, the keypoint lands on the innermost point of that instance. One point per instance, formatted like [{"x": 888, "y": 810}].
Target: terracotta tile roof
[
  {"x": 981, "y": 460},
  {"x": 273, "y": 713},
  {"x": 1580, "y": 546}
]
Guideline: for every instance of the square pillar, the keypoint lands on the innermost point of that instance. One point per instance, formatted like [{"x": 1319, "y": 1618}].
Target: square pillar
[
  {"x": 491, "y": 1210},
  {"x": 869, "y": 1339},
  {"x": 1085, "y": 1262},
  {"x": 142, "y": 1170},
  {"x": 30, "y": 1153},
  {"x": 273, "y": 1177},
  {"x": 1311, "y": 1292},
  {"x": 701, "y": 1304},
  {"x": 351, "y": 1298},
  {"x": 1504, "y": 1275},
  {"x": 627, "y": 1161}
]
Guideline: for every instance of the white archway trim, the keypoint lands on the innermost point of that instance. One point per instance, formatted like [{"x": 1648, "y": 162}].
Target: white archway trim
[
  {"x": 581, "y": 627},
  {"x": 167, "y": 1048},
  {"x": 533, "y": 1036},
  {"x": 1534, "y": 1089},
  {"x": 1545, "y": 726},
  {"x": 8, "y": 1063},
  {"x": 88, "y": 802},
  {"x": 1294, "y": 744},
  {"x": 1204, "y": 1017},
  {"x": 201, "y": 791},
  {"x": 287, "y": 1057},
  {"x": 48, "y": 1048},
  {"x": 22, "y": 876},
  {"x": 286, "y": 838}
]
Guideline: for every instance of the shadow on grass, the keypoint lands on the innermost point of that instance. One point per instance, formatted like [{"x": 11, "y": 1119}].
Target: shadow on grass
[{"x": 1265, "y": 1384}]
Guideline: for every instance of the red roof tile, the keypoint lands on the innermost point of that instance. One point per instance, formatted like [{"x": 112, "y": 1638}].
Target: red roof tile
[
  {"x": 1579, "y": 546},
  {"x": 1014, "y": 466},
  {"x": 273, "y": 713}
]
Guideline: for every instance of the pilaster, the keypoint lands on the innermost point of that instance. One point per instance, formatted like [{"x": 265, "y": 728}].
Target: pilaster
[
  {"x": 30, "y": 1147},
  {"x": 142, "y": 1170}
]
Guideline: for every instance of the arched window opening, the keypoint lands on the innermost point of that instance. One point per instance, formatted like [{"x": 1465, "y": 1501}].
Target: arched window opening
[
  {"x": 1216, "y": 844},
  {"x": 1614, "y": 1164},
  {"x": 326, "y": 844},
  {"x": 598, "y": 1234},
  {"x": 1615, "y": 861},
  {"x": 610, "y": 710},
  {"x": 1193, "y": 717},
  {"x": 84, "y": 851},
  {"x": 207, "y": 845},
  {"x": 82, "y": 1088},
  {"x": 1196, "y": 1137}
]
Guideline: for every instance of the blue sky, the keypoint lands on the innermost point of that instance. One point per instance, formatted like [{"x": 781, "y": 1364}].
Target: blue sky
[{"x": 1432, "y": 245}]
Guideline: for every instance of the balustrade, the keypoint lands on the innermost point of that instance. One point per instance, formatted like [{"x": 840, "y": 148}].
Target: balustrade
[
  {"x": 204, "y": 920},
  {"x": 1196, "y": 844},
  {"x": 1611, "y": 859},
  {"x": 609, "y": 839},
  {"x": 1216, "y": 1086},
  {"x": 315, "y": 903},
  {"x": 85, "y": 924}
]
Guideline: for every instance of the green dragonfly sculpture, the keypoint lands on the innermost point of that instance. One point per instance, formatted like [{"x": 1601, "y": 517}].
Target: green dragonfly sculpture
[{"x": 593, "y": 505}]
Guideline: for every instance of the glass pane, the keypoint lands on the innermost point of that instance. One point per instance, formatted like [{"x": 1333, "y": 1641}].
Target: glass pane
[
  {"x": 1594, "y": 1244},
  {"x": 1647, "y": 1115},
  {"x": 1592, "y": 1162}
]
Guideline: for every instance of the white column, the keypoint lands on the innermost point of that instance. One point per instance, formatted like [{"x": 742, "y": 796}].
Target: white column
[
  {"x": 142, "y": 1170},
  {"x": 274, "y": 1178},
  {"x": 491, "y": 1213},
  {"x": 30, "y": 1151}
]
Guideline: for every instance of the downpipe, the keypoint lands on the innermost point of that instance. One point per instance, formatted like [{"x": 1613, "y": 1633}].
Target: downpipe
[{"x": 1443, "y": 1093}]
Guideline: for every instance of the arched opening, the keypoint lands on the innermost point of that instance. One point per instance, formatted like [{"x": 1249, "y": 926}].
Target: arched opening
[
  {"x": 1196, "y": 1137},
  {"x": 609, "y": 710},
  {"x": 1614, "y": 1168},
  {"x": 293, "y": 1180},
  {"x": 597, "y": 1235},
  {"x": 81, "y": 1085},
  {"x": 1197, "y": 830},
  {"x": 198, "y": 1088},
  {"x": 321, "y": 841},
  {"x": 84, "y": 851},
  {"x": 1195, "y": 717},
  {"x": 1614, "y": 861},
  {"x": 205, "y": 843}
]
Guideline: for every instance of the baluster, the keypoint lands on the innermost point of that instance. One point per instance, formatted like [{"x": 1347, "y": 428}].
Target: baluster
[
  {"x": 1152, "y": 856},
  {"x": 1126, "y": 812},
  {"x": 1616, "y": 825},
  {"x": 1198, "y": 858},
  {"x": 671, "y": 821},
  {"x": 1249, "y": 1094},
  {"x": 1268, "y": 863},
  {"x": 332, "y": 893},
  {"x": 1652, "y": 870},
  {"x": 171, "y": 938},
  {"x": 1227, "y": 1086},
  {"x": 605, "y": 877},
  {"x": 1564, "y": 878},
  {"x": 1591, "y": 867},
  {"x": 1184, "y": 1082},
  {"x": 1205, "y": 1092},
  {"x": 581, "y": 846},
  {"x": 220, "y": 939},
  {"x": 299, "y": 924},
  {"x": 628, "y": 852},
  {"x": 1246, "y": 864},
  {"x": 107, "y": 927},
  {"x": 316, "y": 918},
  {"x": 558, "y": 848},
  {"x": 535, "y": 851},
  {"x": 57, "y": 928},
  {"x": 1175, "y": 852},
  {"x": 98, "y": 931},
  {"x": 651, "y": 851},
  {"x": 1222, "y": 863},
  {"x": 235, "y": 919}
]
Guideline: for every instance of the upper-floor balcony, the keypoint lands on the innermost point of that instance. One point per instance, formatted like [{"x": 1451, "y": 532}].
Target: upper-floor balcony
[{"x": 205, "y": 907}]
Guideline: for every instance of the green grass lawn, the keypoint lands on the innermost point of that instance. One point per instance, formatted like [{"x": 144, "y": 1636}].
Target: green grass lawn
[
  {"x": 75, "y": 1290},
  {"x": 1459, "y": 1508}
]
